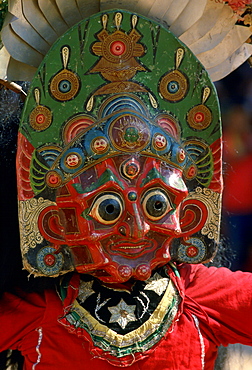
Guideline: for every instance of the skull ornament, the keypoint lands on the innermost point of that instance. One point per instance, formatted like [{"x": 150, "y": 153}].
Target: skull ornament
[
  {"x": 72, "y": 160},
  {"x": 99, "y": 145},
  {"x": 160, "y": 142}
]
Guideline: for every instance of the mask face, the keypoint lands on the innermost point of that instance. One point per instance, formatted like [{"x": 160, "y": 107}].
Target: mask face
[
  {"x": 123, "y": 213},
  {"x": 119, "y": 155}
]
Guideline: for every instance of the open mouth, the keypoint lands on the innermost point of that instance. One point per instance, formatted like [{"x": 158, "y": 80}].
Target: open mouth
[{"x": 131, "y": 249}]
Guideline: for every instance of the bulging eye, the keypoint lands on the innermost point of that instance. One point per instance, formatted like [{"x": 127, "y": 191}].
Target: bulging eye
[
  {"x": 156, "y": 204},
  {"x": 107, "y": 208}
]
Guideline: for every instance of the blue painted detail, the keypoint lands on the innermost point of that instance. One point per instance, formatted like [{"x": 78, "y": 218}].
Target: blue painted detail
[
  {"x": 123, "y": 103},
  {"x": 64, "y": 86},
  {"x": 184, "y": 256},
  {"x": 173, "y": 87},
  {"x": 55, "y": 267}
]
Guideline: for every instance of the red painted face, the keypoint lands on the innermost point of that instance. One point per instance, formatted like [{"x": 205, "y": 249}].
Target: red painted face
[{"x": 119, "y": 217}]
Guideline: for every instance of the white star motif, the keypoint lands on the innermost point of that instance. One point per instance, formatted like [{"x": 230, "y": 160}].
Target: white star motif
[
  {"x": 157, "y": 284},
  {"x": 85, "y": 290},
  {"x": 122, "y": 314}
]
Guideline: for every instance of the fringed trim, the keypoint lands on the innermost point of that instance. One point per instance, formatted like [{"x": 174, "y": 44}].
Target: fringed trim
[
  {"x": 40, "y": 337},
  {"x": 202, "y": 345}
]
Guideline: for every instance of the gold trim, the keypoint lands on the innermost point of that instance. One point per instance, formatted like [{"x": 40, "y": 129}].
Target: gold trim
[
  {"x": 139, "y": 334},
  {"x": 29, "y": 211},
  {"x": 212, "y": 201}
]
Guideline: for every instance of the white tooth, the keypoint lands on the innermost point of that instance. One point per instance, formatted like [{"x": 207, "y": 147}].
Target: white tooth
[{"x": 139, "y": 246}]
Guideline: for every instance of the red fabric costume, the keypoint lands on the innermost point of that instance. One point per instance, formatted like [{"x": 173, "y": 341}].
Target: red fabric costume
[
  {"x": 119, "y": 173},
  {"x": 215, "y": 309}
]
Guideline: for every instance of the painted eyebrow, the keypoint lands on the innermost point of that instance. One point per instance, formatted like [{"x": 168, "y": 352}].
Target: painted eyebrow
[
  {"x": 107, "y": 176},
  {"x": 151, "y": 175}
]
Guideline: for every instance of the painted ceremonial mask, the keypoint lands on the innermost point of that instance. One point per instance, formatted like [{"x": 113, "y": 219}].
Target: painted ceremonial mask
[{"x": 119, "y": 154}]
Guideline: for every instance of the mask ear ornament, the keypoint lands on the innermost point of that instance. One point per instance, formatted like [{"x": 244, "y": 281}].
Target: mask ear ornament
[
  {"x": 49, "y": 261},
  {"x": 192, "y": 250},
  {"x": 200, "y": 225}
]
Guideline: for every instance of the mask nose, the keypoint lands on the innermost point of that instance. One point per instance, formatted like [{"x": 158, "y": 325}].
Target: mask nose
[{"x": 134, "y": 225}]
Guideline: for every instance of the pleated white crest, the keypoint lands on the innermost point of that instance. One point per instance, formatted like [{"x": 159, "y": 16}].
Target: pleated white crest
[{"x": 207, "y": 27}]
